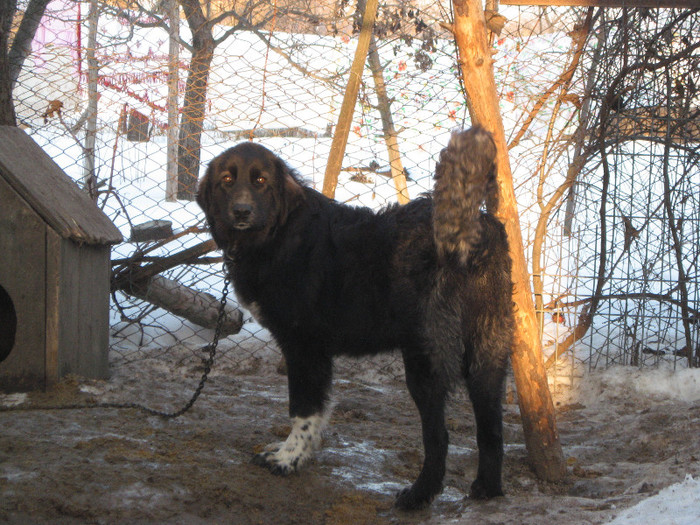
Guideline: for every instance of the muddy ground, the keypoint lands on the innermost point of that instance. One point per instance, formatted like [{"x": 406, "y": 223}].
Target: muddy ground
[{"x": 122, "y": 466}]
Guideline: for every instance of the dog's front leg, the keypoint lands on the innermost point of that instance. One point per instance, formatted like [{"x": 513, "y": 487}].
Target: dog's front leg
[{"x": 309, "y": 375}]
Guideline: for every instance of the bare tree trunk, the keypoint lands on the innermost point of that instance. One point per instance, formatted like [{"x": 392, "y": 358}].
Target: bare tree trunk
[
  {"x": 390, "y": 137},
  {"x": 173, "y": 80},
  {"x": 22, "y": 43},
  {"x": 536, "y": 407},
  {"x": 89, "y": 175},
  {"x": 7, "y": 107},
  {"x": 342, "y": 129},
  {"x": 193, "y": 110}
]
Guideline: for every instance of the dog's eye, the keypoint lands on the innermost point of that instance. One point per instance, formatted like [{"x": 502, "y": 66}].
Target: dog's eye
[
  {"x": 227, "y": 179},
  {"x": 257, "y": 177}
]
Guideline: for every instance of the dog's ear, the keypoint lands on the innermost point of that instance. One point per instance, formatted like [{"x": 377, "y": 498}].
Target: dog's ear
[
  {"x": 204, "y": 190},
  {"x": 204, "y": 199},
  {"x": 290, "y": 192},
  {"x": 293, "y": 190},
  {"x": 292, "y": 186}
]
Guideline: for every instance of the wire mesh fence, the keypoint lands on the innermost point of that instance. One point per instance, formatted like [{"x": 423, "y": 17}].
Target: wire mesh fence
[
  {"x": 600, "y": 108},
  {"x": 636, "y": 214}
]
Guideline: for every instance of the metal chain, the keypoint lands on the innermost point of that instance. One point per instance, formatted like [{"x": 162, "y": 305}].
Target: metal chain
[{"x": 137, "y": 406}]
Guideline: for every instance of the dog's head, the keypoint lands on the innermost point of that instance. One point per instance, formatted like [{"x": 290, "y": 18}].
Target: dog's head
[{"x": 247, "y": 189}]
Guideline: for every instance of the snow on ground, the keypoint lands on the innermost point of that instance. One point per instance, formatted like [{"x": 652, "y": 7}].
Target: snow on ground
[
  {"x": 629, "y": 436},
  {"x": 600, "y": 386},
  {"x": 678, "y": 504}
]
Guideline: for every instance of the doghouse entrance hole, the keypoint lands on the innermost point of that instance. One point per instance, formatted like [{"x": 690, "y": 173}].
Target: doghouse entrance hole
[{"x": 8, "y": 324}]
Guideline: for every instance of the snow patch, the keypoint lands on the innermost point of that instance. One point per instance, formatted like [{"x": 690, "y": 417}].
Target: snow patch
[
  {"x": 600, "y": 386},
  {"x": 677, "y": 504}
]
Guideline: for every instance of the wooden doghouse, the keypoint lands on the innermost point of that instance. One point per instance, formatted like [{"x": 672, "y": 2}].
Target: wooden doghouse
[{"x": 54, "y": 271}]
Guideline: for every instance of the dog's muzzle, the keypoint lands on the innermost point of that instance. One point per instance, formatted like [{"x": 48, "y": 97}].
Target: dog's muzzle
[{"x": 242, "y": 215}]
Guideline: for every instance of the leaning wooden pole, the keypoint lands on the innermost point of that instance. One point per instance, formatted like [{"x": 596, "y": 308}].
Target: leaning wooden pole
[
  {"x": 342, "y": 128},
  {"x": 536, "y": 407},
  {"x": 390, "y": 136}
]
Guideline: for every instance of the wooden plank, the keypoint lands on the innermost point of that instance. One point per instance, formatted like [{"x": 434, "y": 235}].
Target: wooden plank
[
  {"x": 95, "y": 271},
  {"x": 607, "y": 3},
  {"x": 50, "y": 192},
  {"x": 84, "y": 303},
  {"x": 53, "y": 305},
  {"x": 22, "y": 249},
  {"x": 655, "y": 122}
]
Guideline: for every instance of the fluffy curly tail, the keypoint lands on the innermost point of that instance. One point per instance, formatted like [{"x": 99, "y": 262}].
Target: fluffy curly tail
[{"x": 465, "y": 178}]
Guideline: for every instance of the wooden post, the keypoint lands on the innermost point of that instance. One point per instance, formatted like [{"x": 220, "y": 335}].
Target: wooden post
[
  {"x": 89, "y": 171},
  {"x": 390, "y": 135},
  {"x": 7, "y": 107},
  {"x": 171, "y": 181},
  {"x": 342, "y": 128},
  {"x": 536, "y": 407}
]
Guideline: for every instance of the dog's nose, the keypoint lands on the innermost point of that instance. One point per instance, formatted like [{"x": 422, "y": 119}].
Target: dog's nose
[{"x": 242, "y": 211}]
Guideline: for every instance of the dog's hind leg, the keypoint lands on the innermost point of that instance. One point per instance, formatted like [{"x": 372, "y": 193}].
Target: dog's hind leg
[
  {"x": 309, "y": 408},
  {"x": 429, "y": 393},
  {"x": 485, "y": 385}
]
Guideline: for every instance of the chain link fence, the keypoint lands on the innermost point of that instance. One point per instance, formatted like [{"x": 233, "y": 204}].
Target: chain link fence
[
  {"x": 133, "y": 99},
  {"x": 629, "y": 219}
]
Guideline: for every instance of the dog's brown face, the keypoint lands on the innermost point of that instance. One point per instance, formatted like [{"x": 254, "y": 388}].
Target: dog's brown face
[{"x": 246, "y": 189}]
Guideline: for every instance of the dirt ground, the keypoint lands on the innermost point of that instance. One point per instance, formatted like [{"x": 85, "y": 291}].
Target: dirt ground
[{"x": 122, "y": 466}]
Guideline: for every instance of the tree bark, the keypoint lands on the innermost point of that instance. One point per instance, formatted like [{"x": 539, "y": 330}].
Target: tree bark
[
  {"x": 7, "y": 107},
  {"x": 536, "y": 407},
  {"x": 194, "y": 107},
  {"x": 22, "y": 43}
]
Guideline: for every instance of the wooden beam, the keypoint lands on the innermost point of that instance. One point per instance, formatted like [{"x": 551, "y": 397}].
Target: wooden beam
[
  {"x": 201, "y": 308},
  {"x": 133, "y": 273},
  {"x": 347, "y": 109},
  {"x": 607, "y": 3}
]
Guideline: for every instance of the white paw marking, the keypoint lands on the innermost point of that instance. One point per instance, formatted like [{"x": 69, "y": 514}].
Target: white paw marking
[{"x": 303, "y": 440}]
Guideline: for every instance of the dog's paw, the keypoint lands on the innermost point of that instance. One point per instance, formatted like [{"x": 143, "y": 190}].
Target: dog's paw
[
  {"x": 480, "y": 490},
  {"x": 284, "y": 458},
  {"x": 411, "y": 499},
  {"x": 277, "y": 461},
  {"x": 288, "y": 457}
]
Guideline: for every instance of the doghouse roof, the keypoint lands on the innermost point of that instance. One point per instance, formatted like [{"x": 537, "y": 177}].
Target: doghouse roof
[{"x": 50, "y": 192}]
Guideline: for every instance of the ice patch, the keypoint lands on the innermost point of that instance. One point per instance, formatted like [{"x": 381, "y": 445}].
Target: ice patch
[{"x": 12, "y": 400}]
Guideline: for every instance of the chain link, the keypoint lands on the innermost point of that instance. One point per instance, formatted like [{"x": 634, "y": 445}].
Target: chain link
[{"x": 137, "y": 406}]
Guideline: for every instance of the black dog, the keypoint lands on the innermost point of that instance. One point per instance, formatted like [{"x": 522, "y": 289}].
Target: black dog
[{"x": 431, "y": 278}]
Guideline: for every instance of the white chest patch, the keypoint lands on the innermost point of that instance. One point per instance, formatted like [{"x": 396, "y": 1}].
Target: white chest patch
[{"x": 253, "y": 308}]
